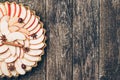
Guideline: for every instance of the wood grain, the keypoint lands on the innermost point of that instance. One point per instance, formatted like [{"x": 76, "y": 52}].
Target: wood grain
[
  {"x": 85, "y": 39},
  {"x": 59, "y": 22},
  {"x": 109, "y": 38}
]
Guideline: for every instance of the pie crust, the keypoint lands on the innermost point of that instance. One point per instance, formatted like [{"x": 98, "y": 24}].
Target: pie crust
[{"x": 22, "y": 39}]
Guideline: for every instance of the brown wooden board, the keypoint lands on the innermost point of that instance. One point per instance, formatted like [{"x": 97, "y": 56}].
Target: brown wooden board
[
  {"x": 85, "y": 39},
  {"x": 109, "y": 39},
  {"x": 59, "y": 22}
]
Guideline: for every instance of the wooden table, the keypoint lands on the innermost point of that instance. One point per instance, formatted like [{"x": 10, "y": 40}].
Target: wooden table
[{"x": 83, "y": 40}]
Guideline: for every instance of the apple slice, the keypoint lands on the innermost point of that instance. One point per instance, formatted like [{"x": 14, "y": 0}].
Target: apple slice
[
  {"x": 25, "y": 31},
  {"x": 27, "y": 62},
  {"x": 4, "y": 27},
  {"x": 31, "y": 21},
  {"x": 13, "y": 9},
  {"x": 11, "y": 59},
  {"x": 8, "y": 9},
  {"x": 3, "y": 49},
  {"x": 15, "y": 36},
  {"x": 38, "y": 40},
  {"x": 5, "y": 18},
  {"x": 27, "y": 16},
  {"x": 1, "y": 59},
  {"x": 0, "y": 33},
  {"x": 20, "y": 42},
  {"x": 1, "y": 13},
  {"x": 28, "y": 68},
  {"x": 21, "y": 53},
  {"x": 40, "y": 32},
  {"x": 35, "y": 30},
  {"x": 18, "y": 10},
  {"x": 19, "y": 69},
  {"x": 20, "y": 25},
  {"x": 1, "y": 43},
  {"x": 2, "y": 7},
  {"x": 32, "y": 58},
  {"x": 13, "y": 29},
  {"x": 37, "y": 46},
  {"x": 34, "y": 25},
  {"x": 5, "y": 55},
  {"x": 18, "y": 51},
  {"x": 0, "y": 70},
  {"x": 12, "y": 21},
  {"x": 4, "y": 69},
  {"x": 23, "y": 12},
  {"x": 27, "y": 44},
  {"x": 12, "y": 50},
  {"x": 35, "y": 52}
]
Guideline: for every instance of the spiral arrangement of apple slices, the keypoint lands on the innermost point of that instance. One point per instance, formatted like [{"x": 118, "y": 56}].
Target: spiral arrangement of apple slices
[{"x": 22, "y": 39}]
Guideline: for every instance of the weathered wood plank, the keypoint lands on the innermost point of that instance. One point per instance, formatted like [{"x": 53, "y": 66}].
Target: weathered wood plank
[
  {"x": 109, "y": 40},
  {"x": 85, "y": 39},
  {"x": 9, "y": 0},
  {"x": 59, "y": 51}
]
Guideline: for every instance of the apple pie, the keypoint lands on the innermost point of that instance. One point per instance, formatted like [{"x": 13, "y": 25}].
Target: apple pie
[{"x": 22, "y": 39}]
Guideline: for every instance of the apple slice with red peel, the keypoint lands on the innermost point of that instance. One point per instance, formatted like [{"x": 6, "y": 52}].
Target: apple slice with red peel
[
  {"x": 12, "y": 50},
  {"x": 2, "y": 7},
  {"x": 13, "y": 29},
  {"x": 19, "y": 69},
  {"x": 8, "y": 9},
  {"x": 3, "y": 49},
  {"x": 4, "y": 69},
  {"x": 27, "y": 62},
  {"x": 38, "y": 40},
  {"x": 28, "y": 16},
  {"x": 34, "y": 25},
  {"x": 23, "y": 12},
  {"x": 15, "y": 36},
  {"x": 4, "y": 27},
  {"x": 35, "y": 52},
  {"x": 40, "y": 32},
  {"x": 32, "y": 58},
  {"x": 35, "y": 30},
  {"x": 13, "y": 20},
  {"x": 31, "y": 21},
  {"x": 11, "y": 59},
  {"x": 5, "y": 55},
  {"x": 18, "y": 10},
  {"x": 13, "y": 9},
  {"x": 37, "y": 46}
]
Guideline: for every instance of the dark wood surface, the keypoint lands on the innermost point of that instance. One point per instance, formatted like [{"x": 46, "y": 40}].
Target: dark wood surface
[{"x": 83, "y": 40}]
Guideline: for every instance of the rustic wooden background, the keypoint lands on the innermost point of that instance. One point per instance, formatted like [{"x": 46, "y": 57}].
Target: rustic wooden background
[{"x": 83, "y": 40}]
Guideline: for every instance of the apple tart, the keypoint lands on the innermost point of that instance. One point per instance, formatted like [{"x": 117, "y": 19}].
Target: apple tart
[{"x": 22, "y": 39}]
